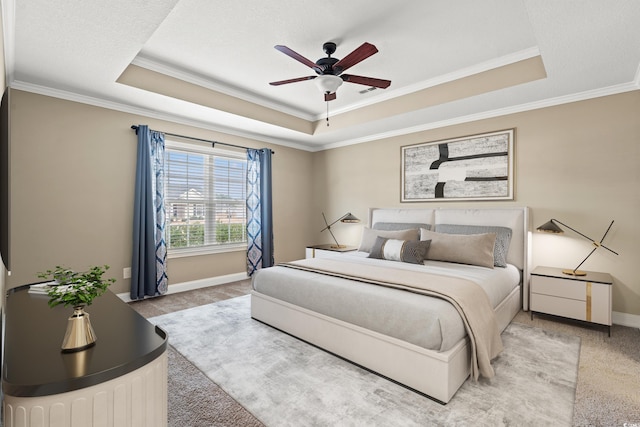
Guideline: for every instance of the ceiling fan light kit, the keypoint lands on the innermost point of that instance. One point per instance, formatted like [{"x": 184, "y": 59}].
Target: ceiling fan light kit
[{"x": 328, "y": 83}]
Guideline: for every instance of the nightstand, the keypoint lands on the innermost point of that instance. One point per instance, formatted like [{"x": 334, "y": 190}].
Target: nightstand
[
  {"x": 327, "y": 251},
  {"x": 586, "y": 298}
]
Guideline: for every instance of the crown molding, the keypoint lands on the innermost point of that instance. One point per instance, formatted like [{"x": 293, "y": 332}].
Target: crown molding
[
  {"x": 125, "y": 108},
  {"x": 9, "y": 35},
  {"x": 551, "y": 102},
  {"x": 85, "y": 99},
  {"x": 172, "y": 71},
  {"x": 208, "y": 83},
  {"x": 512, "y": 58}
]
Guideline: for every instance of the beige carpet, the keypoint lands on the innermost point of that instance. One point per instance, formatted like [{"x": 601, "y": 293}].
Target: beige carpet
[{"x": 608, "y": 391}]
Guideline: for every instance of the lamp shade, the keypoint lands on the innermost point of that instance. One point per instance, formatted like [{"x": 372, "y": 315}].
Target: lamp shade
[
  {"x": 350, "y": 218},
  {"x": 550, "y": 227}
]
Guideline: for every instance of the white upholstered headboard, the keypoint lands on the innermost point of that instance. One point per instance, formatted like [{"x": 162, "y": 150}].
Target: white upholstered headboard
[{"x": 517, "y": 219}]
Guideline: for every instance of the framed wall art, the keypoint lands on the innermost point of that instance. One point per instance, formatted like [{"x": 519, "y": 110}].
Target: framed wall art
[{"x": 477, "y": 167}]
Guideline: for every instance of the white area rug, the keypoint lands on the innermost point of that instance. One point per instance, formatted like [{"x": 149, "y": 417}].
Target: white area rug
[{"x": 286, "y": 382}]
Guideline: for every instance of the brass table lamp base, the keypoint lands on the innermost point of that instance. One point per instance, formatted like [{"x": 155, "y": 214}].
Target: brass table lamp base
[{"x": 574, "y": 272}]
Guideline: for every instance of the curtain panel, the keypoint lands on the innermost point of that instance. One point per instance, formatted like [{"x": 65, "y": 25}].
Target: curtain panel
[
  {"x": 148, "y": 266},
  {"x": 259, "y": 211}
]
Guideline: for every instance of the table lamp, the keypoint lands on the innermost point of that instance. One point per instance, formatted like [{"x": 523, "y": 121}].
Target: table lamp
[
  {"x": 551, "y": 227},
  {"x": 348, "y": 217}
]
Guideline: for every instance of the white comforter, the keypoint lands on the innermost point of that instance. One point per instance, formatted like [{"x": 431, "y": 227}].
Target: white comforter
[{"x": 497, "y": 282}]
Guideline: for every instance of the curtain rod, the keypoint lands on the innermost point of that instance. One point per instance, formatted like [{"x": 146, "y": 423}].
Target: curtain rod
[{"x": 213, "y": 143}]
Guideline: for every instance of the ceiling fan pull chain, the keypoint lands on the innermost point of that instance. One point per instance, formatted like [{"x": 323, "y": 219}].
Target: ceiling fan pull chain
[{"x": 327, "y": 113}]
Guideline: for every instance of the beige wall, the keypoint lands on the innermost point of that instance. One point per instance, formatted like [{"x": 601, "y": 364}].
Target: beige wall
[
  {"x": 73, "y": 169},
  {"x": 579, "y": 163}
]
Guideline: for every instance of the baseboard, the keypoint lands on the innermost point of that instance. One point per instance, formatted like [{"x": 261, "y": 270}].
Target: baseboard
[
  {"x": 626, "y": 319},
  {"x": 195, "y": 284}
]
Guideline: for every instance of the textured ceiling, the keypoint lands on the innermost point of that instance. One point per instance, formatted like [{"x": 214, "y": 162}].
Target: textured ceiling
[{"x": 208, "y": 63}]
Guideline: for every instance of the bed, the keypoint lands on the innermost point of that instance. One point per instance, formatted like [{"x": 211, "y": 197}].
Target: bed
[{"x": 382, "y": 309}]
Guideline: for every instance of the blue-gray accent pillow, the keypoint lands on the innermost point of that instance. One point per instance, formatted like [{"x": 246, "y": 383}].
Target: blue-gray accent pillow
[{"x": 503, "y": 238}]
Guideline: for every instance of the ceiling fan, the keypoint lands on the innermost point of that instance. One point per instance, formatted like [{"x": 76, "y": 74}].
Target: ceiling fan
[{"x": 330, "y": 69}]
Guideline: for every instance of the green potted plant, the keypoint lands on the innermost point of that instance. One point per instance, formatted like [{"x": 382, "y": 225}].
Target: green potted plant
[{"x": 77, "y": 289}]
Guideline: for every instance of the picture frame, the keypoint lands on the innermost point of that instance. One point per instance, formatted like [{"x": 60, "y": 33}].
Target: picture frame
[{"x": 476, "y": 167}]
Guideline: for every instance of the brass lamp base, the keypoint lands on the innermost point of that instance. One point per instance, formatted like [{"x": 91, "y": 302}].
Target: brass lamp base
[
  {"x": 574, "y": 273},
  {"x": 338, "y": 246}
]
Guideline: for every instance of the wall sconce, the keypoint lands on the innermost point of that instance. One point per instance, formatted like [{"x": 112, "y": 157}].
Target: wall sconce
[
  {"x": 348, "y": 218},
  {"x": 551, "y": 227}
]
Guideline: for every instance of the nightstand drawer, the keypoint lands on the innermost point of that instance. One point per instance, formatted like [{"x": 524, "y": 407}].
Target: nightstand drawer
[
  {"x": 558, "y": 287},
  {"x": 571, "y": 308}
]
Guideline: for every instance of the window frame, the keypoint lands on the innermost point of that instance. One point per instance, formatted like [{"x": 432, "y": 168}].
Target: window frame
[{"x": 206, "y": 249}]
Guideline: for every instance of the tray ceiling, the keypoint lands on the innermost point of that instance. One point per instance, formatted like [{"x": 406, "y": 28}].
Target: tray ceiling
[{"x": 209, "y": 64}]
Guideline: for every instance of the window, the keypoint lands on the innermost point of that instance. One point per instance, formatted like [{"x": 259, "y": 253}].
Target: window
[{"x": 205, "y": 199}]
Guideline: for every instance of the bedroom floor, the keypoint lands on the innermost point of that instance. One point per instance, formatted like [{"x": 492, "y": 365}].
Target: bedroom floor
[{"x": 608, "y": 390}]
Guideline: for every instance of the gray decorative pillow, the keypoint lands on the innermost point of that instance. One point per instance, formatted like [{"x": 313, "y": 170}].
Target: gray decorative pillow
[
  {"x": 399, "y": 225},
  {"x": 411, "y": 251},
  {"x": 503, "y": 238},
  {"x": 474, "y": 249},
  {"x": 369, "y": 236}
]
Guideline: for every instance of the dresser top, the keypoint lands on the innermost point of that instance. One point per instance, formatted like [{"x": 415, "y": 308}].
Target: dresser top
[{"x": 34, "y": 364}]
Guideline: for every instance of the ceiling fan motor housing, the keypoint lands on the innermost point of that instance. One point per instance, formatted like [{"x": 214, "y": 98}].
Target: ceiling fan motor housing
[{"x": 326, "y": 65}]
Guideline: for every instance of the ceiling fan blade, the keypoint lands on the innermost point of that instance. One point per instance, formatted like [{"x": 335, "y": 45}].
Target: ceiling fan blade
[
  {"x": 297, "y": 57},
  {"x": 329, "y": 96},
  {"x": 363, "y": 52},
  {"x": 299, "y": 79},
  {"x": 367, "y": 81}
]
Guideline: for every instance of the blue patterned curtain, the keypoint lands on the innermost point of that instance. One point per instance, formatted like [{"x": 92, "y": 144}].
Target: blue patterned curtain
[
  {"x": 148, "y": 266},
  {"x": 259, "y": 207}
]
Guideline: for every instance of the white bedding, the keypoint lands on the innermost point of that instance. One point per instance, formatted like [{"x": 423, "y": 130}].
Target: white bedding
[
  {"x": 497, "y": 282},
  {"x": 429, "y": 322}
]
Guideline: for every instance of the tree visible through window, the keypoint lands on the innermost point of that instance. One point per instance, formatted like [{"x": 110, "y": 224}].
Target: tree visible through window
[{"x": 205, "y": 195}]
